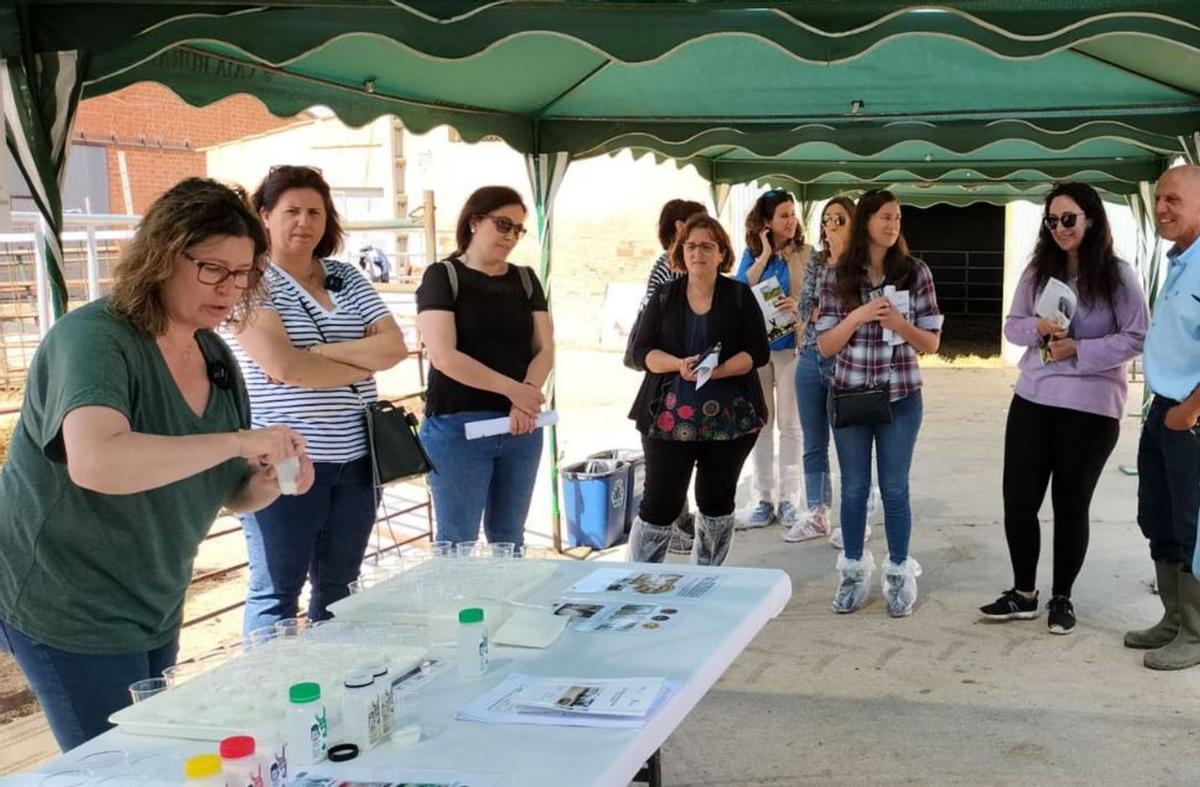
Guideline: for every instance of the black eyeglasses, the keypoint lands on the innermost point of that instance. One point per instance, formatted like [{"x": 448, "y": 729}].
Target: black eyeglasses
[
  {"x": 834, "y": 220},
  {"x": 1068, "y": 220},
  {"x": 213, "y": 273},
  {"x": 506, "y": 225}
]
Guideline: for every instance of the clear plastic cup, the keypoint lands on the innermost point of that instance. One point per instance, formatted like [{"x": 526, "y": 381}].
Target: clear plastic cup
[
  {"x": 466, "y": 548},
  {"x": 260, "y": 636},
  {"x": 503, "y": 550},
  {"x": 290, "y": 628},
  {"x": 441, "y": 549},
  {"x": 286, "y": 472},
  {"x": 146, "y": 688}
]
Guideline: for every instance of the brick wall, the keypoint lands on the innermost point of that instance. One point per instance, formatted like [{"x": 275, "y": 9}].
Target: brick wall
[{"x": 153, "y": 113}]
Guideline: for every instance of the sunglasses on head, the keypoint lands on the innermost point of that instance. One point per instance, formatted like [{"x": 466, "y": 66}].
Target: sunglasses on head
[{"x": 1068, "y": 220}]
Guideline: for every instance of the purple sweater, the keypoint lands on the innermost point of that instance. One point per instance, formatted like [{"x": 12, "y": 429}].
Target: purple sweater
[{"x": 1094, "y": 381}]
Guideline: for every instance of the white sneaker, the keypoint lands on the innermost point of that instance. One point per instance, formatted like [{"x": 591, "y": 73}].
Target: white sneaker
[
  {"x": 835, "y": 537},
  {"x": 814, "y": 524}
]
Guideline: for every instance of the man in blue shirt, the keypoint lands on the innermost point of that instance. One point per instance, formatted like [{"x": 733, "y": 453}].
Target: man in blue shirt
[{"x": 1169, "y": 450}]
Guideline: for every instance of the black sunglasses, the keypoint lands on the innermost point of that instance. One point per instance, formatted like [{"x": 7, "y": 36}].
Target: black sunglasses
[
  {"x": 1068, "y": 220},
  {"x": 834, "y": 219}
]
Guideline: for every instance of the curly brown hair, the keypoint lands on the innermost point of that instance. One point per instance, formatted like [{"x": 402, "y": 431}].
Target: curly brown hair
[
  {"x": 701, "y": 221},
  {"x": 191, "y": 212},
  {"x": 761, "y": 215}
]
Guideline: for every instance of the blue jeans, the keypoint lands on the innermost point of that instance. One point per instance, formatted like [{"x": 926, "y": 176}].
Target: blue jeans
[
  {"x": 812, "y": 400},
  {"x": 491, "y": 477},
  {"x": 319, "y": 536},
  {"x": 79, "y": 692},
  {"x": 894, "y": 443}
]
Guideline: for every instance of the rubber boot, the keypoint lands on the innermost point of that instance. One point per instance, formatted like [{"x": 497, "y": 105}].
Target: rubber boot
[
  {"x": 854, "y": 582},
  {"x": 1164, "y": 631},
  {"x": 1184, "y": 650},
  {"x": 714, "y": 537},
  {"x": 647, "y": 542}
]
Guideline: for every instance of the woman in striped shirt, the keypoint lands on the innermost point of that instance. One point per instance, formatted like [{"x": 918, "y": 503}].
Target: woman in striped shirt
[{"x": 309, "y": 354}]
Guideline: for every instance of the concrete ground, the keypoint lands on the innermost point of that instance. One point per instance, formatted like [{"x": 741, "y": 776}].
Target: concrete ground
[{"x": 938, "y": 698}]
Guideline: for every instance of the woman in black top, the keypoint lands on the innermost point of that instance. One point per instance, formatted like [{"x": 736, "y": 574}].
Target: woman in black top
[
  {"x": 487, "y": 330},
  {"x": 687, "y": 422}
]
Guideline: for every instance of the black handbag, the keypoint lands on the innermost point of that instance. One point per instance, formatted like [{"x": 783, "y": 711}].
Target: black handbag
[
  {"x": 864, "y": 407},
  {"x": 395, "y": 448}
]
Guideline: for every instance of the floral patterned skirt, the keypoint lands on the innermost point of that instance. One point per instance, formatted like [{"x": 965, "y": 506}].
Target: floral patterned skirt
[{"x": 712, "y": 419}]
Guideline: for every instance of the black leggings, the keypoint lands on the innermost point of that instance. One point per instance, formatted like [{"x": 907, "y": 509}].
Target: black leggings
[
  {"x": 1066, "y": 449},
  {"x": 669, "y": 466}
]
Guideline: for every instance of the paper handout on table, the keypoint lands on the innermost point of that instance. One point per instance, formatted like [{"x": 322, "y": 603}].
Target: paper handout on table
[
  {"x": 630, "y": 697},
  {"x": 780, "y": 322},
  {"x": 588, "y": 617},
  {"x": 491, "y": 427},
  {"x": 900, "y": 300},
  {"x": 645, "y": 583},
  {"x": 587, "y": 698},
  {"x": 348, "y": 775}
]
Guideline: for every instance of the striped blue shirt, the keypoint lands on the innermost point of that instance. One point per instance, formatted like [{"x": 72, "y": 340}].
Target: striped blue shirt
[{"x": 331, "y": 419}]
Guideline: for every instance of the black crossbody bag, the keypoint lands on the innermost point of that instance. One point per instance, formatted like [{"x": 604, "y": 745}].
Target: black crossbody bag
[
  {"x": 868, "y": 406},
  {"x": 395, "y": 448}
]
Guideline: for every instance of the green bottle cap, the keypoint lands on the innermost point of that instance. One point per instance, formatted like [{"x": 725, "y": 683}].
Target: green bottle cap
[
  {"x": 470, "y": 615},
  {"x": 304, "y": 692}
]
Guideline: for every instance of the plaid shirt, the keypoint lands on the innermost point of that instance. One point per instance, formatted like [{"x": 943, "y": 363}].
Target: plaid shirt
[
  {"x": 867, "y": 360},
  {"x": 810, "y": 296}
]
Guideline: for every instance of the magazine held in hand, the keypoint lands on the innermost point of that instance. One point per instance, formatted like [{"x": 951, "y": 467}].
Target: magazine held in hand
[
  {"x": 780, "y": 322},
  {"x": 1056, "y": 303}
]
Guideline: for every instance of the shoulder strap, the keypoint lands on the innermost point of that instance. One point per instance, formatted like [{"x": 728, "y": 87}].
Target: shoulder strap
[
  {"x": 526, "y": 282},
  {"x": 452, "y": 275}
]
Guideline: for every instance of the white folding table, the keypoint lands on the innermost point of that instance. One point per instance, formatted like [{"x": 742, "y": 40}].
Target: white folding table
[{"x": 694, "y": 650}]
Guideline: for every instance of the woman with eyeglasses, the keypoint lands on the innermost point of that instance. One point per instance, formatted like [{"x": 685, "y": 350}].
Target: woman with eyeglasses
[
  {"x": 700, "y": 405},
  {"x": 813, "y": 374},
  {"x": 134, "y": 433},
  {"x": 486, "y": 326},
  {"x": 878, "y": 311},
  {"x": 775, "y": 248},
  {"x": 671, "y": 218},
  {"x": 309, "y": 354},
  {"x": 1064, "y": 419}
]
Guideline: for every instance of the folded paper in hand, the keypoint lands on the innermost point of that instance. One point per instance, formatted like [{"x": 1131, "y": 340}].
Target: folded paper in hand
[
  {"x": 780, "y": 322},
  {"x": 493, "y": 426},
  {"x": 706, "y": 364},
  {"x": 1056, "y": 303},
  {"x": 901, "y": 301}
]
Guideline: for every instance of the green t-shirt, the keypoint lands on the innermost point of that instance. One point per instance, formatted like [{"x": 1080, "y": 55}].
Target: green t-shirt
[{"x": 100, "y": 574}]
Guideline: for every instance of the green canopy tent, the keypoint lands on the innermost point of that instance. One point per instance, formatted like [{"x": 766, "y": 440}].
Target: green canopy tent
[{"x": 956, "y": 102}]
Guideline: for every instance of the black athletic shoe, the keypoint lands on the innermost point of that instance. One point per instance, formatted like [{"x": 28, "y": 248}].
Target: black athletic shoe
[
  {"x": 1060, "y": 615},
  {"x": 1012, "y": 606}
]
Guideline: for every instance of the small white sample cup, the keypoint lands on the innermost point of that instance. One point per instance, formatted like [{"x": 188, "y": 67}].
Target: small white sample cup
[{"x": 286, "y": 471}]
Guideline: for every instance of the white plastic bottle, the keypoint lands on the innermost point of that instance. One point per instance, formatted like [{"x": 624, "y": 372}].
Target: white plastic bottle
[
  {"x": 271, "y": 747},
  {"x": 357, "y": 699},
  {"x": 238, "y": 763},
  {"x": 472, "y": 642},
  {"x": 203, "y": 770},
  {"x": 307, "y": 729}
]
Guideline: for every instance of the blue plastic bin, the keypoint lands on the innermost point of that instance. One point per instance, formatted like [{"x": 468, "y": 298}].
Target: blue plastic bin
[
  {"x": 636, "y": 480},
  {"x": 595, "y": 496}
]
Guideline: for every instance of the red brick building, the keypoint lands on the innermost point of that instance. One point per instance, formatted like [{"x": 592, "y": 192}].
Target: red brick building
[{"x": 158, "y": 136}]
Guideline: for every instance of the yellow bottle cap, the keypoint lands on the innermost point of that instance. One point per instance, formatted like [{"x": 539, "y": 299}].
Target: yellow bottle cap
[{"x": 202, "y": 766}]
